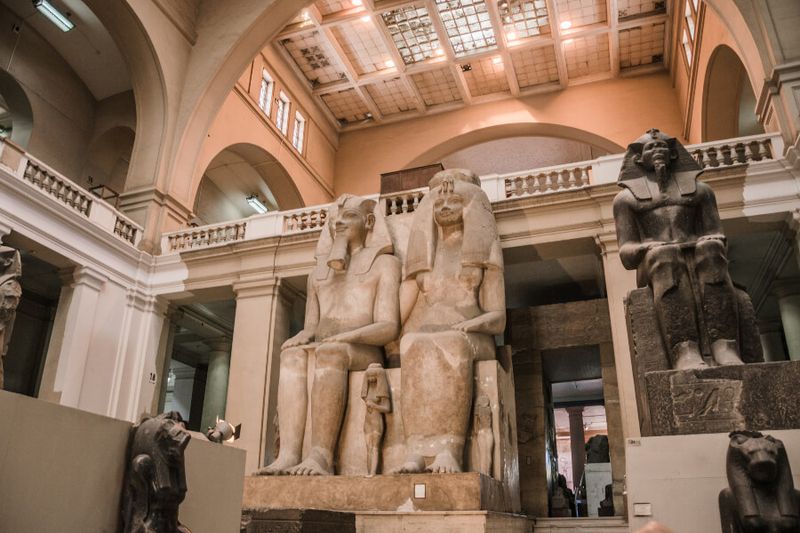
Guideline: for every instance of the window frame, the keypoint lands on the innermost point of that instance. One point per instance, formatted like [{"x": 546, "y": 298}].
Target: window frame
[
  {"x": 282, "y": 112},
  {"x": 266, "y": 92},
  {"x": 298, "y": 141},
  {"x": 688, "y": 30}
]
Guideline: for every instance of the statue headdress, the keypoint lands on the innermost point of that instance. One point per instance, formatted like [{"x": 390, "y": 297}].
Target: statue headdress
[
  {"x": 381, "y": 382},
  {"x": 481, "y": 246},
  {"x": 683, "y": 167},
  {"x": 378, "y": 240}
]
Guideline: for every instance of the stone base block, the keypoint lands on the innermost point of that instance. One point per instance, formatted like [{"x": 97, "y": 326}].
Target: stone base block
[
  {"x": 297, "y": 521},
  {"x": 443, "y": 522},
  {"x": 758, "y": 396},
  {"x": 469, "y": 491}
]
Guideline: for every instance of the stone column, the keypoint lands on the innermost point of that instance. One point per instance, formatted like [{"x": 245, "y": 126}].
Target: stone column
[
  {"x": 577, "y": 443},
  {"x": 616, "y": 440},
  {"x": 260, "y": 327},
  {"x": 219, "y": 361},
  {"x": 65, "y": 363},
  {"x": 772, "y": 341},
  {"x": 618, "y": 282},
  {"x": 788, "y": 293}
]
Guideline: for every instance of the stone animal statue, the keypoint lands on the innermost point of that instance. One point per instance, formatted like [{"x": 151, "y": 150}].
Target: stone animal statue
[
  {"x": 761, "y": 496},
  {"x": 155, "y": 479}
]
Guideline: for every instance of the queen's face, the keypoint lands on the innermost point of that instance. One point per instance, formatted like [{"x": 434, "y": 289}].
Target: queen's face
[{"x": 448, "y": 209}]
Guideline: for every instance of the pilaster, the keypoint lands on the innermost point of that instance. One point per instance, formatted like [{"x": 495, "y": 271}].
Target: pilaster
[
  {"x": 219, "y": 360},
  {"x": 788, "y": 293}
]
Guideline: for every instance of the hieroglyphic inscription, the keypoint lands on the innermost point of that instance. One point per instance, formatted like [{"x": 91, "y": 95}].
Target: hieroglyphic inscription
[{"x": 706, "y": 405}]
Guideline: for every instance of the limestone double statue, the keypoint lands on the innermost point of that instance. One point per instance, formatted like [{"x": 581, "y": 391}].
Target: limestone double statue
[
  {"x": 669, "y": 231},
  {"x": 10, "y": 293},
  {"x": 351, "y": 313}
]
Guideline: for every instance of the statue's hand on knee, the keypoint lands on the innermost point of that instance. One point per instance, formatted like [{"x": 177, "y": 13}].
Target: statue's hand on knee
[{"x": 302, "y": 338}]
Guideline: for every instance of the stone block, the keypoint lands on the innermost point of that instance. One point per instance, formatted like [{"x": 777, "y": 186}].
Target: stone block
[
  {"x": 469, "y": 491},
  {"x": 648, "y": 353},
  {"x": 443, "y": 522},
  {"x": 757, "y": 396},
  {"x": 297, "y": 521}
]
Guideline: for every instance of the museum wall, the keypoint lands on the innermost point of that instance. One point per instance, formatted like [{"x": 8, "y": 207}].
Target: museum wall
[
  {"x": 63, "y": 471},
  {"x": 611, "y": 112},
  {"x": 240, "y": 120}
]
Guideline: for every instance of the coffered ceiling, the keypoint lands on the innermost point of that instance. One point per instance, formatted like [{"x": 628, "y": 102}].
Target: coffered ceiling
[{"x": 374, "y": 61}]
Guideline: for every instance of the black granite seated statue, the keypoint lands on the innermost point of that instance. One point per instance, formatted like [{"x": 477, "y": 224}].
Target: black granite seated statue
[
  {"x": 155, "y": 477},
  {"x": 761, "y": 496},
  {"x": 597, "y": 450},
  {"x": 669, "y": 231}
]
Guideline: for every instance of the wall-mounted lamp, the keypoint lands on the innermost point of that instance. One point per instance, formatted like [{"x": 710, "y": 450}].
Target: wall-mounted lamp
[
  {"x": 54, "y": 15},
  {"x": 257, "y": 204}
]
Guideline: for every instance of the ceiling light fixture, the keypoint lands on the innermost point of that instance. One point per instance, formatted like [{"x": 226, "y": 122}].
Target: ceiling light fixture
[
  {"x": 389, "y": 63},
  {"x": 257, "y": 204},
  {"x": 565, "y": 25},
  {"x": 54, "y": 15},
  {"x": 497, "y": 60},
  {"x": 366, "y": 18},
  {"x": 357, "y": 2},
  {"x": 512, "y": 35}
]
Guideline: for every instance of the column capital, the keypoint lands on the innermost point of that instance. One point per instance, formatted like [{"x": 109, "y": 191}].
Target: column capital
[
  {"x": 219, "y": 344},
  {"x": 83, "y": 275},
  {"x": 575, "y": 411},
  {"x": 253, "y": 287},
  {"x": 607, "y": 241},
  {"x": 5, "y": 231}
]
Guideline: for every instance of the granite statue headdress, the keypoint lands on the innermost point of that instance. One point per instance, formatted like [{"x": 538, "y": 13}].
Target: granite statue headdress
[
  {"x": 642, "y": 182},
  {"x": 481, "y": 246}
]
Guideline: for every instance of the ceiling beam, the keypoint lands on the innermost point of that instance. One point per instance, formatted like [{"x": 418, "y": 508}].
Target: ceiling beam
[
  {"x": 502, "y": 45},
  {"x": 555, "y": 31},
  {"x": 447, "y": 46},
  {"x": 612, "y": 14}
]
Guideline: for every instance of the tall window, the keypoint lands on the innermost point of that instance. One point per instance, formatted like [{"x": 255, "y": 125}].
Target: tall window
[
  {"x": 299, "y": 131},
  {"x": 282, "y": 115},
  {"x": 689, "y": 29},
  {"x": 265, "y": 96}
]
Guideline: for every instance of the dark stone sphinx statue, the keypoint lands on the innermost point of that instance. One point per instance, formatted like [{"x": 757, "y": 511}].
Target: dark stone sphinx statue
[
  {"x": 761, "y": 496},
  {"x": 155, "y": 479},
  {"x": 669, "y": 231}
]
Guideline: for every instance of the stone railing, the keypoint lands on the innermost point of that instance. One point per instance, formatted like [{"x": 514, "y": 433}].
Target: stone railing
[
  {"x": 537, "y": 182},
  {"x": 553, "y": 179},
  {"x": 63, "y": 193}
]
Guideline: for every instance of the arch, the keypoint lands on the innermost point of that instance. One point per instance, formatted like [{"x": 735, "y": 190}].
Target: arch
[
  {"x": 502, "y": 131},
  {"x": 728, "y": 98},
  {"x": 236, "y": 172},
  {"x": 108, "y": 158},
  {"x": 18, "y": 107}
]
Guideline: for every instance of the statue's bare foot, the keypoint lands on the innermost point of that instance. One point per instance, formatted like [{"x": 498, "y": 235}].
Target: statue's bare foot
[
  {"x": 278, "y": 467},
  {"x": 310, "y": 467},
  {"x": 414, "y": 464},
  {"x": 687, "y": 356},
  {"x": 725, "y": 353},
  {"x": 444, "y": 463}
]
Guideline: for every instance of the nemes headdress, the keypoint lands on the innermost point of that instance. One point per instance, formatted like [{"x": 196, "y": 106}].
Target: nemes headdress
[
  {"x": 683, "y": 166},
  {"x": 378, "y": 240},
  {"x": 481, "y": 246}
]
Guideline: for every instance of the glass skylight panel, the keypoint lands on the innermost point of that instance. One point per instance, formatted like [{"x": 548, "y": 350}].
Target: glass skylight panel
[
  {"x": 486, "y": 76},
  {"x": 632, "y": 8},
  {"x": 535, "y": 66},
  {"x": 641, "y": 46},
  {"x": 437, "y": 86},
  {"x": 347, "y": 106},
  {"x": 413, "y": 33},
  {"x": 391, "y": 96},
  {"x": 314, "y": 58},
  {"x": 468, "y": 25},
  {"x": 524, "y": 18},
  {"x": 587, "y": 55},
  {"x": 364, "y": 46},
  {"x": 581, "y": 12}
]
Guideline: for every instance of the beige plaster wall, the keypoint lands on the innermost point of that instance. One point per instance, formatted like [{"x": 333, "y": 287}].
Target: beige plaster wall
[
  {"x": 681, "y": 477},
  {"x": 612, "y": 112},
  {"x": 63, "y": 108},
  {"x": 63, "y": 470},
  {"x": 241, "y": 121}
]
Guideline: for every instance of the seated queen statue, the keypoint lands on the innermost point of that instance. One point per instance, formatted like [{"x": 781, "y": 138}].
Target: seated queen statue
[{"x": 452, "y": 303}]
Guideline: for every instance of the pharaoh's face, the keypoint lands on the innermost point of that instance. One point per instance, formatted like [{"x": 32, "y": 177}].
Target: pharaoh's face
[
  {"x": 655, "y": 154},
  {"x": 351, "y": 225},
  {"x": 448, "y": 209}
]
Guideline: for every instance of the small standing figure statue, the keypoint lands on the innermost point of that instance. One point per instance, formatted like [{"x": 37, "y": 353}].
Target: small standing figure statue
[
  {"x": 10, "y": 292},
  {"x": 375, "y": 393},
  {"x": 483, "y": 434}
]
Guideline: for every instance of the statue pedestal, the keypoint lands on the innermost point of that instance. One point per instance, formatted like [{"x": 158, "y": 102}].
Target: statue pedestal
[
  {"x": 711, "y": 400},
  {"x": 298, "y": 521}
]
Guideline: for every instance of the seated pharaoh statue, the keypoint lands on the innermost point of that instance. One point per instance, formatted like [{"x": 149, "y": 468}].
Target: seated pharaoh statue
[
  {"x": 669, "y": 231},
  {"x": 351, "y": 313},
  {"x": 452, "y": 303}
]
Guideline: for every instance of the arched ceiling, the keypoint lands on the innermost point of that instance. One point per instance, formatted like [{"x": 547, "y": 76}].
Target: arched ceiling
[{"x": 88, "y": 48}]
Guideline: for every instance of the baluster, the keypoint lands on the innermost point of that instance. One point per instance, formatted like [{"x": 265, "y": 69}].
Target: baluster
[
  {"x": 519, "y": 186},
  {"x": 572, "y": 180},
  {"x": 741, "y": 153},
  {"x": 766, "y": 150},
  {"x": 507, "y": 184},
  {"x": 417, "y": 200},
  {"x": 548, "y": 183}
]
